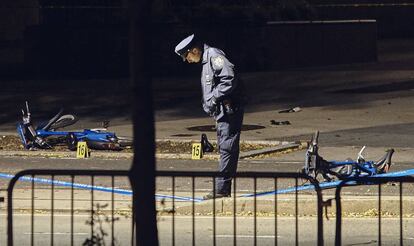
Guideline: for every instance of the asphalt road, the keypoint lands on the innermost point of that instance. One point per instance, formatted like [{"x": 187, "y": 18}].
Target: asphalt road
[{"x": 362, "y": 231}]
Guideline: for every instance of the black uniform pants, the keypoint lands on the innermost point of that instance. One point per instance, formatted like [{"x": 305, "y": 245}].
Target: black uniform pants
[{"x": 228, "y": 139}]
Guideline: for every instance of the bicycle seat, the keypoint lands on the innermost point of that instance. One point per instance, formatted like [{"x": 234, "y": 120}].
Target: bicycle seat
[{"x": 383, "y": 164}]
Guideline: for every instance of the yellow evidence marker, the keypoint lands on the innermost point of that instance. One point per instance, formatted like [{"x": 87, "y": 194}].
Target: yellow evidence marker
[
  {"x": 196, "y": 151},
  {"x": 82, "y": 150}
]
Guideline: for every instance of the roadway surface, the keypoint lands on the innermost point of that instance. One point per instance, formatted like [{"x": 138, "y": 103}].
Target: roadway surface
[{"x": 362, "y": 232}]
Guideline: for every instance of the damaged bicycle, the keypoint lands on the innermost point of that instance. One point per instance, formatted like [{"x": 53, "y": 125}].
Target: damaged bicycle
[{"x": 47, "y": 135}]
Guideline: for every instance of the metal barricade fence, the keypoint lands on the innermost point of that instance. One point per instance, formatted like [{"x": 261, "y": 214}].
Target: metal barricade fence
[
  {"x": 389, "y": 213},
  {"x": 260, "y": 211},
  {"x": 79, "y": 207},
  {"x": 83, "y": 206}
]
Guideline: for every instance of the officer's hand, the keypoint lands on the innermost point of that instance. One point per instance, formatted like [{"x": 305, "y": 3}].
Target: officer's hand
[
  {"x": 214, "y": 101},
  {"x": 214, "y": 108},
  {"x": 228, "y": 107}
]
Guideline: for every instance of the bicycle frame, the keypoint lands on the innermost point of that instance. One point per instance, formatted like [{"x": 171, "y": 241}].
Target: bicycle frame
[
  {"x": 315, "y": 164},
  {"x": 37, "y": 137},
  {"x": 365, "y": 167},
  {"x": 86, "y": 134}
]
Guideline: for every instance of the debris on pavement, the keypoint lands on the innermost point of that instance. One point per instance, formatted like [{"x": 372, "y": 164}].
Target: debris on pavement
[
  {"x": 290, "y": 110},
  {"x": 10, "y": 143},
  {"x": 273, "y": 122}
]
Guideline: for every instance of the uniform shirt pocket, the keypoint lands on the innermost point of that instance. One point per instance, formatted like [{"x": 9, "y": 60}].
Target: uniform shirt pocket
[
  {"x": 209, "y": 80},
  {"x": 208, "y": 85}
]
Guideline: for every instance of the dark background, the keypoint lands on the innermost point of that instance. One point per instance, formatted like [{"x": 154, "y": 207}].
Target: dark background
[
  {"x": 75, "y": 53},
  {"x": 55, "y": 39}
]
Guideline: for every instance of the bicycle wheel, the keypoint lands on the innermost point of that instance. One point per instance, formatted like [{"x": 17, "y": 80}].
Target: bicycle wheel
[
  {"x": 125, "y": 142},
  {"x": 72, "y": 141},
  {"x": 343, "y": 172},
  {"x": 63, "y": 121},
  {"x": 346, "y": 170},
  {"x": 99, "y": 145}
]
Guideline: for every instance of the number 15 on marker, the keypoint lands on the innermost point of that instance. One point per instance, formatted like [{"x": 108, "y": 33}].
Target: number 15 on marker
[{"x": 196, "y": 152}]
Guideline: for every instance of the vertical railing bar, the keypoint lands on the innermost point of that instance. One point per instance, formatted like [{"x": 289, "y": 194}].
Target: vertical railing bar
[
  {"x": 173, "y": 210},
  {"x": 112, "y": 210},
  {"x": 193, "y": 209},
  {"x": 296, "y": 213},
  {"x": 379, "y": 214},
  {"x": 133, "y": 223},
  {"x": 52, "y": 211},
  {"x": 338, "y": 227},
  {"x": 72, "y": 198},
  {"x": 275, "y": 207},
  {"x": 214, "y": 210},
  {"x": 319, "y": 215},
  {"x": 32, "y": 215},
  {"x": 401, "y": 214},
  {"x": 255, "y": 211},
  {"x": 234, "y": 212},
  {"x": 92, "y": 209}
]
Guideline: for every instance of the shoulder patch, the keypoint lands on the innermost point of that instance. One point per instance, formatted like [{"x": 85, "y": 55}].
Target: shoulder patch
[{"x": 218, "y": 62}]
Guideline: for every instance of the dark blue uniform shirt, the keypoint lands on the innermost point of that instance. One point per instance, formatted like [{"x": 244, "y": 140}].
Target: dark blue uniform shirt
[{"x": 217, "y": 80}]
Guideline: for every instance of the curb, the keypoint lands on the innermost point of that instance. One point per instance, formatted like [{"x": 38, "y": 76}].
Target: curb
[
  {"x": 360, "y": 207},
  {"x": 94, "y": 155},
  {"x": 269, "y": 150},
  {"x": 62, "y": 154},
  {"x": 307, "y": 206},
  {"x": 179, "y": 140}
]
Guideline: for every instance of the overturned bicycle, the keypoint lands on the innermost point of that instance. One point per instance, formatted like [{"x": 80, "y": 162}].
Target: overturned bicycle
[
  {"x": 46, "y": 135},
  {"x": 319, "y": 168},
  {"x": 330, "y": 174}
]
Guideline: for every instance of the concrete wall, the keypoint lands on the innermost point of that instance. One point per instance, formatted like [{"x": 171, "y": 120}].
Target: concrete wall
[
  {"x": 394, "y": 20},
  {"x": 15, "y": 16},
  {"x": 304, "y": 44},
  {"x": 282, "y": 45},
  {"x": 103, "y": 51},
  {"x": 336, "y": 2},
  {"x": 56, "y": 51}
]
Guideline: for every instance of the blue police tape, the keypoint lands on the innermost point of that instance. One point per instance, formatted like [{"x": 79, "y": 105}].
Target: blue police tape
[
  {"x": 293, "y": 189},
  {"x": 95, "y": 187},
  {"x": 327, "y": 185},
  {"x": 324, "y": 185}
]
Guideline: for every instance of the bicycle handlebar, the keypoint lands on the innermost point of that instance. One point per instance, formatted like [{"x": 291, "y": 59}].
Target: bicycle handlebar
[{"x": 315, "y": 138}]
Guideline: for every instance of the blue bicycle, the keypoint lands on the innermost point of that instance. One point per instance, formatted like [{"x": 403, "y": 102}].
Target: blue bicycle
[
  {"x": 316, "y": 166},
  {"x": 45, "y": 135}
]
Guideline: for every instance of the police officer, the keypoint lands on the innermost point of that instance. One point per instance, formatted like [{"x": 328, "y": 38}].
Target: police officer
[{"x": 222, "y": 99}]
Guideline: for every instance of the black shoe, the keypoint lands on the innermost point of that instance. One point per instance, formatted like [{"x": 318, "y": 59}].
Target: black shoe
[
  {"x": 206, "y": 145},
  {"x": 211, "y": 195}
]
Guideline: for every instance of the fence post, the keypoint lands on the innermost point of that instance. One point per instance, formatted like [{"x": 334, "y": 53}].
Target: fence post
[{"x": 142, "y": 173}]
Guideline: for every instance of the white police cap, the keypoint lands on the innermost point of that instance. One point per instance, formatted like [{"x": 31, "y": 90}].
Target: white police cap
[{"x": 182, "y": 48}]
